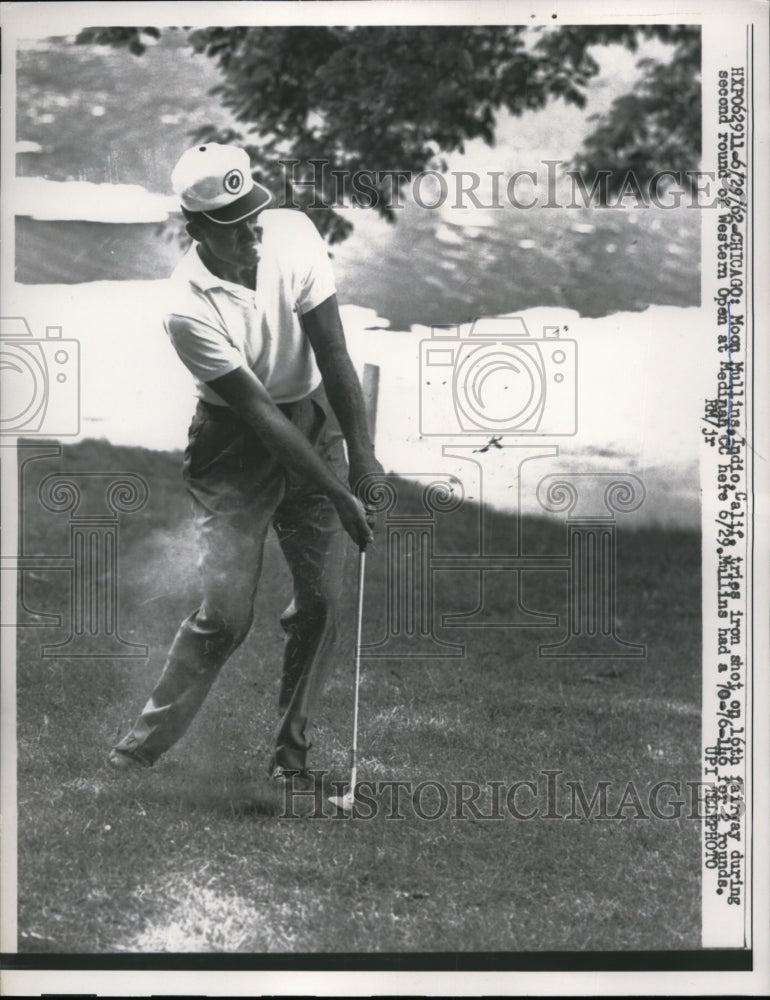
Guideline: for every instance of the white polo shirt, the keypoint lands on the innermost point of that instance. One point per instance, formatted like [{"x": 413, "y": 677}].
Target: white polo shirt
[{"x": 219, "y": 326}]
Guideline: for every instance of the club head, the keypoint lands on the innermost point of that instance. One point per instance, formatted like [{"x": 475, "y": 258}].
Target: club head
[{"x": 344, "y": 802}]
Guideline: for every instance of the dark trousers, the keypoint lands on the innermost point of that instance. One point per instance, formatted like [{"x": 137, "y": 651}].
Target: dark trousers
[{"x": 238, "y": 490}]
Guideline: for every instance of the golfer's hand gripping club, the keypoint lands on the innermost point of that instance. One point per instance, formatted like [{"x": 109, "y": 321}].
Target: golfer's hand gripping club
[{"x": 355, "y": 519}]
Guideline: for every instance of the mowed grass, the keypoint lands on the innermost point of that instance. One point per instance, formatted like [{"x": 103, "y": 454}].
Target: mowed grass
[{"x": 194, "y": 854}]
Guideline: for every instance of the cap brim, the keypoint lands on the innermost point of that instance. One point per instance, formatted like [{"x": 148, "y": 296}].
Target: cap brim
[{"x": 253, "y": 201}]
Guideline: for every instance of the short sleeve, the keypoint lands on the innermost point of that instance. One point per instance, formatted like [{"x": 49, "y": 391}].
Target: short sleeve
[
  {"x": 314, "y": 275},
  {"x": 202, "y": 348}
]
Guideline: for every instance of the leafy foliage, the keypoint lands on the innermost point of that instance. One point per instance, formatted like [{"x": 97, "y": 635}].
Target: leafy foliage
[
  {"x": 658, "y": 126},
  {"x": 390, "y": 99}
]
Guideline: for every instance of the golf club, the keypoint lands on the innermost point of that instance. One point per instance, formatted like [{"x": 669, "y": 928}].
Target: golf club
[{"x": 346, "y": 801}]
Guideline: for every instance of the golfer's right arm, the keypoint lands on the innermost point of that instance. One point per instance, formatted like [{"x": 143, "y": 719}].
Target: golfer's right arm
[{"x": 246, "y": 396}]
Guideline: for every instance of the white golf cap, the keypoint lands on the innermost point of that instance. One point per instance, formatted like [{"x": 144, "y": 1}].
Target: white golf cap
[{"x": 216, "y": 180}]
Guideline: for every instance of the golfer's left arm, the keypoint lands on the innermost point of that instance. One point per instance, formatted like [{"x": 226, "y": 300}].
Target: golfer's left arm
[{"x": 323, "y": 327}]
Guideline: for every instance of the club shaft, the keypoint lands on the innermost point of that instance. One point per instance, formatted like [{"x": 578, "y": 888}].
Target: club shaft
[{"x": 359, "y": 628}]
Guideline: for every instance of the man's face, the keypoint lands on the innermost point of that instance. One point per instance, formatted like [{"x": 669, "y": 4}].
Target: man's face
[{"x": 236, "y": 244}]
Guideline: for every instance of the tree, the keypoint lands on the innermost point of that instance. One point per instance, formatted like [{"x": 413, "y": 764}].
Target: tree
[
  {"x": 658, "y": 126},
  {"x": 381, "y": 99}
]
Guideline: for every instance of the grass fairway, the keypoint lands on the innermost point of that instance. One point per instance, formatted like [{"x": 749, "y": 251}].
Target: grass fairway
[{"x": 194, "y": 854}]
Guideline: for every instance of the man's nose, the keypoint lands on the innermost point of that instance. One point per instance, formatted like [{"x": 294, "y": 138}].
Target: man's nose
[{"x": 254, "y": 228}]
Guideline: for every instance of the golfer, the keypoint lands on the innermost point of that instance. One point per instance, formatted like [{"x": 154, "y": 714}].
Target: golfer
[{"x": 253, "y": 315}]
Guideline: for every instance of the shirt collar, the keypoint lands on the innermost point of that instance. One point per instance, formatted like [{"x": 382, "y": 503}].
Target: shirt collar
[{"x": 193, "y": 269}]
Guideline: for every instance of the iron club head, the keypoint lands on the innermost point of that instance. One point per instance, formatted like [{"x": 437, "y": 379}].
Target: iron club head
[{"x": 344, "y": 802}]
